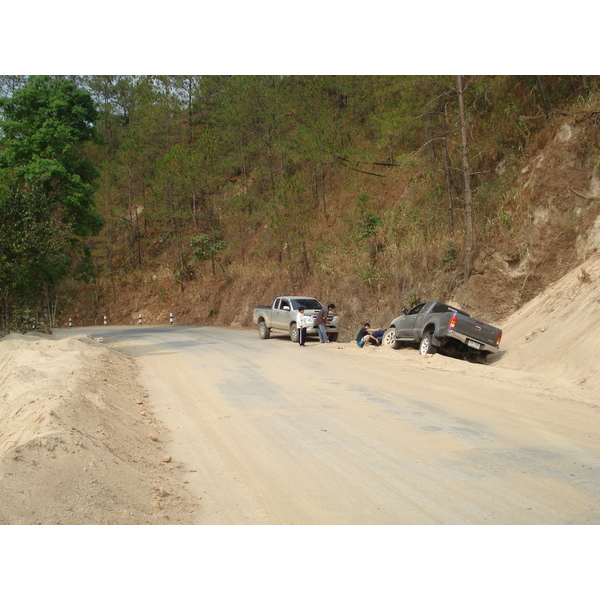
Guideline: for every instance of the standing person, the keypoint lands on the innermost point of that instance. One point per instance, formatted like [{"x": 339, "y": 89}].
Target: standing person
[
  {"x": 321, "y": 322},
  {"x": 301, "y": 325},
  {"x": 366, "y": 334}
]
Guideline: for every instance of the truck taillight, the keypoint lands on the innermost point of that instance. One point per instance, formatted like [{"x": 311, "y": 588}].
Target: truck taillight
[
  {"x": 499, "y": 340},
  {"x": 452, "y": 321}
]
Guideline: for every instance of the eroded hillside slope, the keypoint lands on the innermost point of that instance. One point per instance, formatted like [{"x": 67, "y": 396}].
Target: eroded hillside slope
[
  {"x": 555, "y": 334},
  {"x": 550, "y": 225}
]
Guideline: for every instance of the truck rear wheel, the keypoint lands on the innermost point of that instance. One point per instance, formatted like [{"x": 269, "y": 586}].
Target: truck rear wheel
[
  {"x": 426, "y": 346},
  {"x": 294, "y": 332},
  {"x": 481, "y": 358},
  {"x": 263, "y": 331}
]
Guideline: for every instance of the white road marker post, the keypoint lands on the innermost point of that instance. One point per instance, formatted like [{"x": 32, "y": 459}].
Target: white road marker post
[
  {"x": 140, "y": 319},
  {"x": 171, "y": 318},
  {"x": 70, "y": 322},
  {"x": 105, "y": 320}
]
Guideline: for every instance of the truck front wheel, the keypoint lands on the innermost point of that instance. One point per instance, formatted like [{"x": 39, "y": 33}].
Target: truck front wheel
[
  {"x": 426, "y": 346},
  {"x": 263, "y": 331},
  {"x": 389, "y": 339}
]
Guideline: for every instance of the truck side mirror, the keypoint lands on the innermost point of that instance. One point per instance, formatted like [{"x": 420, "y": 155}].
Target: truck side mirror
[
  {"x": 405, "y": 311},
  {"x": 286, "y": 308}
]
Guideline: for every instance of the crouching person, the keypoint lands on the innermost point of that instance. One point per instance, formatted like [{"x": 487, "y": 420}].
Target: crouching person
[{"x": 369, "y": 335}]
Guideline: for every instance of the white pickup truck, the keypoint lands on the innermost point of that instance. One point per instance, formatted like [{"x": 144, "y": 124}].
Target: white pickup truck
[{"x": 281, "y": 315}]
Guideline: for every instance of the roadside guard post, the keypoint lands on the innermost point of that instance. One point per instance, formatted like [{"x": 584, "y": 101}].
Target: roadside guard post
[
  {"x": 171, "y": 318},
  {"x": 70, "y": 322},
  {"x": 140, "y": 319},
  {"x": 105, "y": 320}
]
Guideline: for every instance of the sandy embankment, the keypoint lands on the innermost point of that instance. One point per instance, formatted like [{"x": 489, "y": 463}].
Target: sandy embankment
[{"x": 74, "y": 441}]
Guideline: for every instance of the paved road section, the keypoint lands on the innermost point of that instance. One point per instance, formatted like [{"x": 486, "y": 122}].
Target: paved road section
[{"x": 270, "y": 433}]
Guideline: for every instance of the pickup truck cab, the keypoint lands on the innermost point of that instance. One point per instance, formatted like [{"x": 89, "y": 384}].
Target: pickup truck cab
[
  {"x": 437, "y": 326},
  {"x": 282, "y": 313}
]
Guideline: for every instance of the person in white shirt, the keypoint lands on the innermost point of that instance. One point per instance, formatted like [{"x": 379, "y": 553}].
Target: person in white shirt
[{"x": 301, "y": 322}]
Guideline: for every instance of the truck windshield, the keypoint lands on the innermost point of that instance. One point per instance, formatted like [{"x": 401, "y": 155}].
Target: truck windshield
[{"x": 307, "y": 304}]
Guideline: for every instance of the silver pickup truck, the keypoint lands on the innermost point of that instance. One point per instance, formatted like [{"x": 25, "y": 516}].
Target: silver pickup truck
[
  {"x": 437, "y": 326},
  {"x": 281, "y": 315}
]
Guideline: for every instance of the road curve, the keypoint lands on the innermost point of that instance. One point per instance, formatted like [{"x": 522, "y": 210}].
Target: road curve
[{"x": 271, "y": 433}]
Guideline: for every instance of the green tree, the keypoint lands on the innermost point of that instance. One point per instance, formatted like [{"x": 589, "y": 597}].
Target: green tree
[
  {"x": 32, "y": 251},
  {"x": 44, "y": 127},
  {"x": 208, "y": 247},
  {"x": 46, "y": 188}
]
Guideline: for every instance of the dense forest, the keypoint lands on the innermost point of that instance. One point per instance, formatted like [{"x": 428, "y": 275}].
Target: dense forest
[{"x": 205, "y": 195}]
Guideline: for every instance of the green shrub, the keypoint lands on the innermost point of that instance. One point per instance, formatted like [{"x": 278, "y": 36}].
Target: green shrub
[{"x": 24, "y": 320}]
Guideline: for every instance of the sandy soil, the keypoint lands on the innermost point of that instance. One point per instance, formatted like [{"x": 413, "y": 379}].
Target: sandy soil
[
  {"x": 81, "y": 442},
  {"x": 78, "y": 444},
  {"x": 555, "y": 334}
]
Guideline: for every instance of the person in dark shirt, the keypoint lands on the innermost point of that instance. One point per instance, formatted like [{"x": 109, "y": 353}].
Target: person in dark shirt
[
  {"x": 372, "y": 336},
  {"x": 321, "y": 323}
]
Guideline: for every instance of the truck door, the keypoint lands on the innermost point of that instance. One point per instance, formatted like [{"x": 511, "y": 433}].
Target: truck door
[
  {"x": 281, "y": 316},
  {"x": 420, "y": 318},
  {"x": 408, "y": 323}
]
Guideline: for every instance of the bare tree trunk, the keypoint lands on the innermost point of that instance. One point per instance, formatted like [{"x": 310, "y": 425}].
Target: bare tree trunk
[
  {"x": 270, "y": 156},
  {"x": 244, "y": 171},
  {"x": 180, "y": 259},
  {"x": 340, "y": 104},
  {"x": 132, "y": 238},
  {"x": 543, "y": 93},
  {"x": 111, "y": 270},
  {"x": 430, "y": 137},
  {"x": 189, "y": 88},
  {"x": 4, "y": 312},
  {"x": 138, "y": 239},
  {"x": 194, "y": 208},
  {"x": 133, "y": 220},
  {"x": 212, "y": 239},
  {"x": 448, "y": 171},
  {"x": 467, "y": 177},
  {"x": 305, "y": 261}
]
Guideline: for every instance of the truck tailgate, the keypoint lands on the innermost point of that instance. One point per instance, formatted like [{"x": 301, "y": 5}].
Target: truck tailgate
[{"x": 477, "y": 330}]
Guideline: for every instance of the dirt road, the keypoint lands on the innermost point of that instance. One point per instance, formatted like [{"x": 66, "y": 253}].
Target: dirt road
[{"x": 270, "y": 433}]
